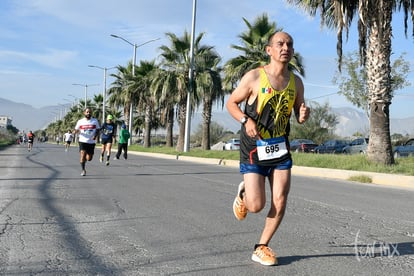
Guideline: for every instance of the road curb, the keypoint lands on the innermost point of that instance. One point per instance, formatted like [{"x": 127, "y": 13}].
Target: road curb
[{"x": 395, "y": 180}]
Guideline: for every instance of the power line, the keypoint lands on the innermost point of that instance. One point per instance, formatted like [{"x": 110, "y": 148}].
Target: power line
[{"x": 330, "y": 94}]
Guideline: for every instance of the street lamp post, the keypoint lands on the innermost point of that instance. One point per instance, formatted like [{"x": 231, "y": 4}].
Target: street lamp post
[
  {"x": 63, "y": 110},
  {"x": 76, "y": 101},
  {"x": 68, "y": 101},
  {"x": 86, "y": 89},
  {"x": 105, "y": 69},
  {"x": 190, "y": 86},
  {"x": 133, "y": 73},
  {"x": 56, "y": 116}
]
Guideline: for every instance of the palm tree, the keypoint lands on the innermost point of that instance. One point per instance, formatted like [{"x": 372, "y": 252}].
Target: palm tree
[
  {"x": 97, "y": 107},
  {"x": 70, "y": 119},
  {"x": 375, "y": 33},
  {"x": 144, "y": 99},
  {"x": 164, "y": 86},
  {"x": 176, "y": 63},
  {"x": 208, "y": 85},
  {"x": 254, "y": 41},
  {"x": 120, "y": 93}
]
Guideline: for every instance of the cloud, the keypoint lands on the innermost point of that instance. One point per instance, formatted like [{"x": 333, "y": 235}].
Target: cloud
[{"x": 51, "y": 57}]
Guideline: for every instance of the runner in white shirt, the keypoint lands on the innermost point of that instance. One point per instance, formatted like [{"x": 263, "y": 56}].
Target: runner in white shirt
[
  {"x": 68, "y": 136},
  {"x": 88, "y": 130}
]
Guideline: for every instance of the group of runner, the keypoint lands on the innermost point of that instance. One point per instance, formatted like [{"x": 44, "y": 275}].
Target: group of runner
[{"x": 88, "y": 130}]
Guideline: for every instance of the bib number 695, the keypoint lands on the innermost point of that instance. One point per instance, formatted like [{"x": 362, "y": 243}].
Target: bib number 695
[{"x": 272, "y": 148}]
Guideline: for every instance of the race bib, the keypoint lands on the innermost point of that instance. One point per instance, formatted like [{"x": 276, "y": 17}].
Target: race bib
[
  {"x": 89, "y": 132},
  {"x": 272, "y": 148}
]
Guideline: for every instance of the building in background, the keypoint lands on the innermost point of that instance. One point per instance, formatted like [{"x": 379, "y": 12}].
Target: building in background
[{"x": 5, "y": 121}]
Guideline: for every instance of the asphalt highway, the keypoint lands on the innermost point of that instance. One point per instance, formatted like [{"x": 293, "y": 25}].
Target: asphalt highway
[{"x": 151, "y": 215}]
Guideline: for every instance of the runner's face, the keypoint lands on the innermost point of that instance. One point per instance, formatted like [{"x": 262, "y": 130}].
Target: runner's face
[
  {"x": 87, "y": 113},
  {"x": 281, "y": 47}
]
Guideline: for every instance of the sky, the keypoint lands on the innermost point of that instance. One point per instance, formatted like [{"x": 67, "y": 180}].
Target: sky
[{"x": 47, "y": 45}]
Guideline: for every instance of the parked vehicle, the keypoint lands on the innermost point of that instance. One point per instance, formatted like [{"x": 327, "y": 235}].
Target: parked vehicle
[
  {"x": 331, "y": 146},
  {"x": 302, "y": 145},
  {"x": 405, "y": 149},
  {"x": 232, "y": 144},
  {"x": 358, "y": 145}
]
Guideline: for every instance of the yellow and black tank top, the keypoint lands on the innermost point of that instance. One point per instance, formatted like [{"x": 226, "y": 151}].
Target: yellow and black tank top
[{"x": 271, "y": 110}]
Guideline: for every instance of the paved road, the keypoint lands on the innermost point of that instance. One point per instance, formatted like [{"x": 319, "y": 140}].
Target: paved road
[{"x": 151, "y": 216}]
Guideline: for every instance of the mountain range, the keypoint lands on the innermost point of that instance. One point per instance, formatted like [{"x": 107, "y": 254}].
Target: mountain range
[{"x": 26, "y": 117}]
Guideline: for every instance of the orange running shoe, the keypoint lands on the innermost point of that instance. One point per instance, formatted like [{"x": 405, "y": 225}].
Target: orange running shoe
[
  {"x": 239, "y": 209},
  {"x": 264, "y": 255}
]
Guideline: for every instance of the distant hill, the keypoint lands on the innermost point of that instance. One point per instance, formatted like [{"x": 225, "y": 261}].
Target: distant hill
[
  {"x": 350, "y": 120},
  {"x": 25, "y": 117}
]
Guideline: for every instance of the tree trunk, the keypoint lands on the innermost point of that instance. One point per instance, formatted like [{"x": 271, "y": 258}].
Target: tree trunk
[
  {"x": 205, "y": 139},
  {"x": 380, "y": 148},
  {"x": 148, "y": 120},
  {"x": 379, "y": 86},
  {"x": 126, "y": 114},
  {"x": 126, "y": 120},
  {"x": 182, "y": 109},
  {"x": 169, "y": 127}
]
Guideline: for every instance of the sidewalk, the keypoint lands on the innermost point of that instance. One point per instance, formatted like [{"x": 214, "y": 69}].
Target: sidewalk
[{"x": 396, "y": 180}]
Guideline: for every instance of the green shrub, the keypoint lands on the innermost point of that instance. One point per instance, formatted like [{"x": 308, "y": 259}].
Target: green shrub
[
  {"x": 355, "y": 162},
  {"x": 361, "y": 178}
]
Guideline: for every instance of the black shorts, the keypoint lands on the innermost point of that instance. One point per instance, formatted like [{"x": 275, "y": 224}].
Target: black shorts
[
  {"x": 88, "y": 148},
  {"x": 106, "y": 141},
  {"x": 68, "y": 142}
]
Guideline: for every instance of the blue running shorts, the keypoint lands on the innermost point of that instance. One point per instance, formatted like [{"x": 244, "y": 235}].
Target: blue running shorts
[{"x": 265, "y": 170}]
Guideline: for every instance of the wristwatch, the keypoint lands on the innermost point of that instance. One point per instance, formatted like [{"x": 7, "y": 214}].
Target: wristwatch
[{"x": 244, "y": 120}]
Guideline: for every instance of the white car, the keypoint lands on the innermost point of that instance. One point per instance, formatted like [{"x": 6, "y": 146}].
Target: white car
[
  {"x": 232, "y": 144},
  {"x": 358, "y": 145}
]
